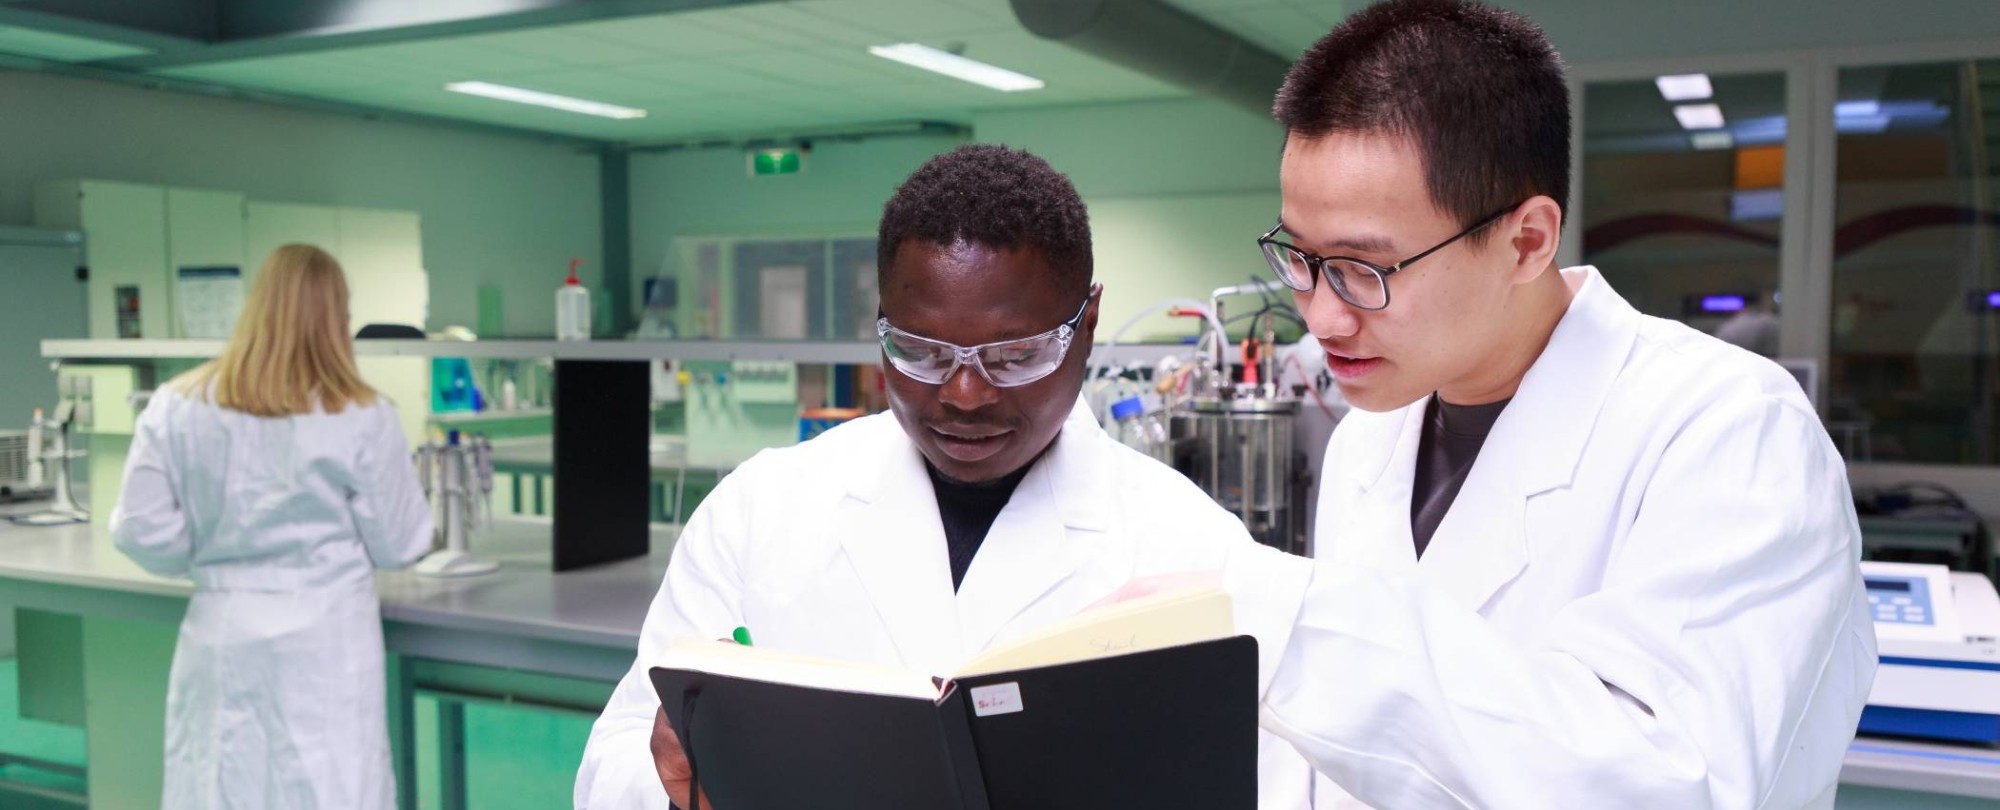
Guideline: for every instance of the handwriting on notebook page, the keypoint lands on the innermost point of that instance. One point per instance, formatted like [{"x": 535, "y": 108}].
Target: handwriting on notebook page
[{"x": 1111, "y": 644}]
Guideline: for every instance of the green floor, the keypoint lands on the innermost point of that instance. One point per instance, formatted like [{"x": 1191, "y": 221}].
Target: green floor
[{"x": 515, "y": 757}]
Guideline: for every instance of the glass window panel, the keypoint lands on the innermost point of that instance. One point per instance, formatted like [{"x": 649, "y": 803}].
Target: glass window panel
[
  {"x": 1685, "y": 222},
  {"x": 1911, "y": 371}
]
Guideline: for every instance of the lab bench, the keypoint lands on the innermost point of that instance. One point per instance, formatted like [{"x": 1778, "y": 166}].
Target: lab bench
[
  {"x": 527, "y": 635},
  {"x": 523, "y": 636},
  {"x": 1944, "y": 770}
]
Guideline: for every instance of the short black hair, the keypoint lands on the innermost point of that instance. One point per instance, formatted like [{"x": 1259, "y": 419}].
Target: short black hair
[
  {"x": 990, "y": 195},
  {"x": 1478, "y": 90}
]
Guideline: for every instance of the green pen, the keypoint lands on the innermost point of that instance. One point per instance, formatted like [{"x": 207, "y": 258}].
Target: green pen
[{"x": 742, "y": 636}]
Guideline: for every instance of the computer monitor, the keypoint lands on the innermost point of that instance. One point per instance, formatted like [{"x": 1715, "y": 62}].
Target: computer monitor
[{"x": 1806, "y": 371}]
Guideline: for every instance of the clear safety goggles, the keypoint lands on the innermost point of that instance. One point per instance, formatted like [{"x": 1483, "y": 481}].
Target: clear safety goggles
[{"x": 1005, "y": 364}]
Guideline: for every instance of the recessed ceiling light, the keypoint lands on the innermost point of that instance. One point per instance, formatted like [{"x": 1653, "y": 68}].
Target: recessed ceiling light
[
  {"x": 1860, "y": 108},
  {"x": 1862, "y": 124},
  {"x": 1712, "y": 139},
  {"x": 1699, "y": 116},
  {"x": 957, "y": 67},
  {"x": 540, "y": 99},
  {"x": 1685, "y": 87}
]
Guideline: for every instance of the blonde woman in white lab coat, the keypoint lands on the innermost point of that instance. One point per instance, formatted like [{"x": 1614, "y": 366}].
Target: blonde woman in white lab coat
[{"x": 278, "y": 481}]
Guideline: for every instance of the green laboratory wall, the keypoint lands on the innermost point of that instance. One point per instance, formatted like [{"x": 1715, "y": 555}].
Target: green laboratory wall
[
  {"x": 1177, "y": 191},
  {"x": 496, "y": 209}
]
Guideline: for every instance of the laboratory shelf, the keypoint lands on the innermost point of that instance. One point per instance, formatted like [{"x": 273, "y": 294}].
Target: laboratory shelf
[{"x": 794, "y": 351}]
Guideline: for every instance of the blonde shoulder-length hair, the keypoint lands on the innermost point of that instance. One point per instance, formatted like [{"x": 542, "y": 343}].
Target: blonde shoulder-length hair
[{"x": 290, "y": 351}]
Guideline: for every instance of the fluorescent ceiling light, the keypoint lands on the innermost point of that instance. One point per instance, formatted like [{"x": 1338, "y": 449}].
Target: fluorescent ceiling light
[
  {"x": 540, "y": 99},
  {"x": 1685, "y": 87},
  {"x": 1699, "y": 116},
  {"x": 1875, "y": 116},
  {"x": 1762, "y": 131},
  {"x": 1862, "y": 124},
  {"x": 1858, "y": 109},
  {"x": 957, "y": 67},
  {"x": 1713, "y": 139}
]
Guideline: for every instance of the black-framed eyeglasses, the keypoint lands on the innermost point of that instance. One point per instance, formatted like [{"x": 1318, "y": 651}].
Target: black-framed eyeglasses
[
  {"x": 1005, "y": 364},
  {"x": 1361, "y": 283}
]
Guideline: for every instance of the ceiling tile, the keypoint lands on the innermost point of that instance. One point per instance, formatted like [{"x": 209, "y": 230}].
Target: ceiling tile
[
  {"x": 309, "y": 73},
  {"x": 888, "y": 21},
  {"x": 1063, "y": 67},
  {"x": 795, "y": 65},
  {"x": 600, "y": 85},
  {"x": 1327, "y": 13},
  {"x": 667, "y": 35},
  {"x": 1218, "y": 6},
  {"x": 565, "y": 47},
  {"x": 462, "y": 56},
  {"x": 704, "y": 77},
  {"x": 769, "y": 25},
  {"x": 820, "y": 67},
  {"x": 1283, "y": 30}
]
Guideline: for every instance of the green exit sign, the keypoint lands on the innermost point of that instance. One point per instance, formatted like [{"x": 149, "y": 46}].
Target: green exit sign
[{"x": 767, "y": 162}]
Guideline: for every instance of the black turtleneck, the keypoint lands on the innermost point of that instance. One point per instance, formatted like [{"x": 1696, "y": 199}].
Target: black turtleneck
[
  {"x": 968, "y": 511},
  {"x": 1452, "y": 437}
]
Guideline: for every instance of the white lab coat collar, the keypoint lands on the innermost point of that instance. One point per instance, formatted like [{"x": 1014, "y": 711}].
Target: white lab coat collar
[
  {"x": 1555, "y": 409},
  {"x": 895, "y": 540},
  {"x": 1554, "y": 412},
  {"x": 1535, "y": 447}
]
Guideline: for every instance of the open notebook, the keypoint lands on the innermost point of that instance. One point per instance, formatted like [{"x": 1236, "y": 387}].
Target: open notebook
[
  {"x": 1148, "y": 623},
  {"x": 1149, "y": 703}
]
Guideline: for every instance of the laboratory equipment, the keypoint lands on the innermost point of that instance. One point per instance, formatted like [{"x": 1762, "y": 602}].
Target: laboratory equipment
[
  {"x": 20, "y": 465},
  {"x": 1108, "y": 383},
  {"x": 736, "y": 409},
  {"x": 1228, "y": 426},
  {"x": 1806, "y": 371},
  {"x": 1938, "y": 634},
  {"x": 1233, "y": 434},
  {"x": 1241, "y": 455},
  {"x": 452, "y": 387},
  {"x": 509, "y": 384},
  {"x": 50, "y": 444},
  {"x": 573, "y": 307},
  {"x": 1140, "y": 426},
  {"x": 1921, "y": 522},
  {"x": 656, "y": 321},
  {"x": 457, "y": 477}
]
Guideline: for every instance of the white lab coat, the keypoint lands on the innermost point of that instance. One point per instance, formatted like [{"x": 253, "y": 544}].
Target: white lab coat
[
  {"x": 276, "y": 699},
  {"x": 834, "y": 548},
  {"x": 1645, "y": 595}
]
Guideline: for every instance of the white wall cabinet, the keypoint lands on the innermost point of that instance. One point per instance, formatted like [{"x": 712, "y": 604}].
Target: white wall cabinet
[{"x": 138, "y": 237}]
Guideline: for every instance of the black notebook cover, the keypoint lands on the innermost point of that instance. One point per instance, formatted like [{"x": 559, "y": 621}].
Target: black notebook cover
[{"x": 1171, "y": 728}]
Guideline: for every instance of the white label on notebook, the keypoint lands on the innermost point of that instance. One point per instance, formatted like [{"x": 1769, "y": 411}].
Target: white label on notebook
[{"x": 1000, "y": 698}]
